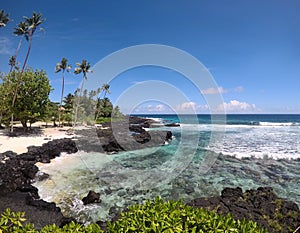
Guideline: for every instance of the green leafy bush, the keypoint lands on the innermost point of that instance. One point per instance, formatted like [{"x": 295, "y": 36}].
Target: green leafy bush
[
  {"x": 152, "y": 216},
  {"x": 159, "y": 216},
  {"x": 13, "y": 222}
]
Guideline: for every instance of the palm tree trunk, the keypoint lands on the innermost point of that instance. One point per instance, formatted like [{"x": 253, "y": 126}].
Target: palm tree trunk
[
  {"x": 61, "y": 99},
  {"x": 78, "y": 101},
  {"x": 18, "y": 83},
  {"x": 17, "y": 53}
]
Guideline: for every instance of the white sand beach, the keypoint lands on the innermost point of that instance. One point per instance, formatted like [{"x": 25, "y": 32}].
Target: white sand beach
[{"x": 20, "y": 143}]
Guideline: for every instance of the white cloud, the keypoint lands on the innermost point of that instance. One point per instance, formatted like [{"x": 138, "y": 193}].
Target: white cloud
[
  {"x": 186, "y": 107},
  {"x": 6, "y": 46},
  {"x": 213, "y": 90},
  {"x": 204, "y": 107},
  {"x": 220, "y": 90},
  {"x": 156, "y": 108},
  {"x": 151, "y": 108},
  {"x": 237, "y": 106},
  {"x": 239, "y": 89}
]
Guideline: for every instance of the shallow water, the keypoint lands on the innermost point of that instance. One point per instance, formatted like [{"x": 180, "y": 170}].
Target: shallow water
[{"x": 194, "y": 164}]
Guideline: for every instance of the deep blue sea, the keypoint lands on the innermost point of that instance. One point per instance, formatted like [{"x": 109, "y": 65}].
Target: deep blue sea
[{"x": 207, "y": 153}]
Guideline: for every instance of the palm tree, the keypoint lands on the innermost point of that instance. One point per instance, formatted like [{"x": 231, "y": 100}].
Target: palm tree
[
  {"x": 32, "y": 24},
  {"x": 21, "y": 30},
  {"x": 84, "y": 68},
  {"x": 105, "y": 88},
  {"x": 3, "y": 18},
  {"x": 62, "y": 66}
]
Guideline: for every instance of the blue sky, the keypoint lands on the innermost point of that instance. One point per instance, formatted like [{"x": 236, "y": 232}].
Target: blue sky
[{"x": 251, "y": 48}]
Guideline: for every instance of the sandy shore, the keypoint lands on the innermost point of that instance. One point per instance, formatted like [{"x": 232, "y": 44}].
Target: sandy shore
[{"x": 39, "y": 136}]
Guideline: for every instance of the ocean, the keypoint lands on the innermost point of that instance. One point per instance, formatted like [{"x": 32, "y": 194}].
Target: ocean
[{"x": 207, "y": 154}]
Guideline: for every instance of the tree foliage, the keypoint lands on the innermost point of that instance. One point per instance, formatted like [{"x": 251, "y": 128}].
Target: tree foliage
[
  {"x": 32, "y": 98},
  {"x": 3, "y": 18},
  {"x": 62, "y": 66}
]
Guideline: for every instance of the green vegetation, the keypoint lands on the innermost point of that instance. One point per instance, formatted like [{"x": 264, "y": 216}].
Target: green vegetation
[
  {"x": 84, "y": 68},
  {"x": 32, "y": 99},
  {"x": 24, "y": 93},
  {"x": 3, "y": 18},
  {"x": 153, "y": 216},
  {"x": 62, "y": 66},
  {"x": 30, "y": 26}
]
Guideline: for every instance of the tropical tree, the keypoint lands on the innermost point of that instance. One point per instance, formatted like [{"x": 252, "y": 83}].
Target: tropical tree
[
  {"x": 51, "y": 113},
  {"x": 105, "y": 89},
  {"x": 21, "y": 30},
  {"x": 69, "y": 107},
  {"x": 116, "y": 113},
  {"x": 104, "y": 108},
  {"x": 33, "y": 95},
  {"x": 62, "y": 66},
  {"x": 3, "y": 105},
  {"x": 3, "y": 18},
  {"x": 84, "y": 68},
  {"x": 32, "y": 24}
]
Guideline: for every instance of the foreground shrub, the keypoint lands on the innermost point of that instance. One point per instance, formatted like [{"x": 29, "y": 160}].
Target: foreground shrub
[
  {"x": 159, "y": 216},
  {"x": 152, "y": 216}
]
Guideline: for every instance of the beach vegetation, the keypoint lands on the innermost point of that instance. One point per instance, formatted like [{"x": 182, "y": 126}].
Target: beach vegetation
[
  {"x": 30, "y": 25},
  {"x": 3, "y": 18},
  {"x": 21, "y": 30},
  {"x": 152, "y": 216},
  {"x": 52, "y": 112},
  {"x": 62, "y": 66},
  {"x": 84, "y": 68},
  {"x": 32, "y": 98}
]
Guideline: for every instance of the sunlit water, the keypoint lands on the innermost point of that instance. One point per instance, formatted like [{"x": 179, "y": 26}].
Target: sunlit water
[{"x": 249, "y": 155}]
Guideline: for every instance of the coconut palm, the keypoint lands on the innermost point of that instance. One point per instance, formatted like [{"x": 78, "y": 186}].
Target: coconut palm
[
  {"x": 84, "y": 68},
  {"x": 21, "y": 30},
  {"x": 105, "y": 88},
  {"x": 3, "y": 18},
  {"x": 62, "y": 66},
  {"x": 32, "y": 24}
]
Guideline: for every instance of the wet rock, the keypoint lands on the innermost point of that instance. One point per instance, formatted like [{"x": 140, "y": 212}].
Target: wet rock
[
  {"x": 126, "y": 135},
  {"x": 173, "y": 125},
  {"x": 41, "y": 204},
  {"x": 261, "y": 205},
  {"x": 17, "y": 171},
  {"x": 121, "y": 193},
  {"x": 92, "y": 197},
  {"x": 189, "y": 190},
  {"x": 232, "y": 192}
]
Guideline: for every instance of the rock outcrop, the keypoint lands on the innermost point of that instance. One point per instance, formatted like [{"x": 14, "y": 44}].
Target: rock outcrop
[
  {"x": 262, "y": 206},
  {"x": 92, "y": 197},
  {"x": 19, "y": 170}
]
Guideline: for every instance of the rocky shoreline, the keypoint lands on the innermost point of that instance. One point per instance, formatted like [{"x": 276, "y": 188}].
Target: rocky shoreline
[{"x": 18, "y": 171}]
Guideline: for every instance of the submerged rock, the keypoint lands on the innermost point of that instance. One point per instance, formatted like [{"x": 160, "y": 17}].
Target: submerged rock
[{"x": 92, "y": 197}]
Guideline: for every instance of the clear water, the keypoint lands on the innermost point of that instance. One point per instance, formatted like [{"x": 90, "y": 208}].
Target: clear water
[{"x": 204, "y": 157}]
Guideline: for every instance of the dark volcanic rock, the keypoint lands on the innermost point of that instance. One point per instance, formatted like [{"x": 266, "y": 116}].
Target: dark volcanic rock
[
  {"x": 17, "y": 171},
  {"x": 16, "y": 201},
  {"x": 92, "y": 197},
  {"x": 41, "y": 204},
  {"x": 173, "y": 125},
  {"x": 261, "y": 205},
  {"x": 128, "y": 134}
]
